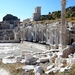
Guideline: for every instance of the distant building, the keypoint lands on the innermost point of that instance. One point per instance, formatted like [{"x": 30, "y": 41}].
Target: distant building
[{"x": 36, "y": 15}]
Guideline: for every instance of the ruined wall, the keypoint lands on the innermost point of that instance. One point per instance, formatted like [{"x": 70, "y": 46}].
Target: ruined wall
[
  {"x": 6, "y": 34},
  {"x": 67, "y": 51}
]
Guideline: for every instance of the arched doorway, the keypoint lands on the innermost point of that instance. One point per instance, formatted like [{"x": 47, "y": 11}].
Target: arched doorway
[{"x": 72, "y": 40}]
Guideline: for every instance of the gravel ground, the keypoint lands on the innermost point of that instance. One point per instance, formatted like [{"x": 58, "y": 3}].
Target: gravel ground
[
  {"x": 3, "y": 72},
  {"x": 15, "y": 49}
]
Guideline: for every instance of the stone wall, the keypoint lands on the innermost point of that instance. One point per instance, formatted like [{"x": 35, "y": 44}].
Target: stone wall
[{"x": 6, "y": 34}]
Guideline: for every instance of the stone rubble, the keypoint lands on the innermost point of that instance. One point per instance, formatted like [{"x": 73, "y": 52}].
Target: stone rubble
[
  {"x": 49, "y": 60},
  {"x": 64, "y": 69},
  {"x": 28, "y": 59},
  {"x": 50, "y": 67}
]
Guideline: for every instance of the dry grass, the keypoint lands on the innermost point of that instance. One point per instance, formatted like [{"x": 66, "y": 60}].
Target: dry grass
[
  {"x": 71, "y": 19},
  {"x": 51, "y": 21},
  {"x": 11, "y": 68},
  {"x": 13, "y": 71},
  {"x": 69, "y": 72}
]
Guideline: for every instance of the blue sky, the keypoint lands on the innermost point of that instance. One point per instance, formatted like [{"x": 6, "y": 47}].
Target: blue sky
[{"x": 24, "y": 8}]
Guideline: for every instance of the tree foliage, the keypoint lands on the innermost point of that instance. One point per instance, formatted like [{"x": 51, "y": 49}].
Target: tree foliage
[{"x": 42, "y": 18}]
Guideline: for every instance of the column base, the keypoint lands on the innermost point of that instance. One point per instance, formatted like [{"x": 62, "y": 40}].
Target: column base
[
  {"x": 61, "y": 47},
  {"x": 54, "y": 46}
]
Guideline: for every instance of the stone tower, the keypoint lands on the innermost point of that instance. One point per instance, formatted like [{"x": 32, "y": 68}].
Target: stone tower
[
  {"x": 38, "y": 10},
  {"x": 36, "y": 15}
]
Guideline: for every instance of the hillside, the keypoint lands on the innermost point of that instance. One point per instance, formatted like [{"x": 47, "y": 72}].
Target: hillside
[
  {"x": 72, "y": 19},
  {"x": 70, "y": 13}
]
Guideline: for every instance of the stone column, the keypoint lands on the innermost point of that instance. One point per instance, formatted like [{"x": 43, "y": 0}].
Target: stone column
[
  {"x": 34, "y": 40},
  {"x": 34, "y": 33},
  {"x": 9, "y": 38},
  {"x": 42, "y": 35},
  {"x": 56, "y": 37},
  {"x": 51, "y": 38},
  {"x": 63, "y": 26},
  {"x": 46, "y": 36}
]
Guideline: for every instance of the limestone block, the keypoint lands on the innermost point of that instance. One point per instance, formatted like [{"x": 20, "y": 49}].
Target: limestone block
[
  {"x": 62, "y": 70},
  {"x": 28, "y": 67},
  {"x": 49, "y": 54},
  {"x": 35, "y": 56},
  {"x": 70, "y": 56},
  {"x": 38, "y": 70},
  {"x": 53, "y": 70},
  {"x": 65, "y": 69},
  {"x": 44, "y": 59},
  {"x": 18, "y": 58},
  {"x": 48, "y": 72},
  {"x": 70, "y": 61},
  {"x": 50, "y": 67},
  {"x": 28, "y": 56},
  {"x": 24, "y": 61},
  {"x": 60, "y": 60}
]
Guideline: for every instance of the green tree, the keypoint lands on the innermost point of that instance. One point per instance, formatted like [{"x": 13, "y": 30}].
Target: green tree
[
  {"x": 42, "y": 18},
  {"x": 67, "y": 15},
  {"x": 49, "y": 13},
  {"x": 73, "y": 14},
  {"x": 50, "y": 17}
]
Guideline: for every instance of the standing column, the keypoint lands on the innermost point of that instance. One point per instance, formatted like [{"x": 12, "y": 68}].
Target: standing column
[
  {"x": 56, "y": 37},
  {"x": 63, "y": 26},
  {"x": 46, "y": 36},
  {"x": 51, "y": 38},
  {"x": 42, "y": 35},
  {"x": 34, "y": 33}
]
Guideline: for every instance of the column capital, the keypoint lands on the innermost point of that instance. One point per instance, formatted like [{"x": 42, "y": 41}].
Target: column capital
[{"x": 63, "y": 2}]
